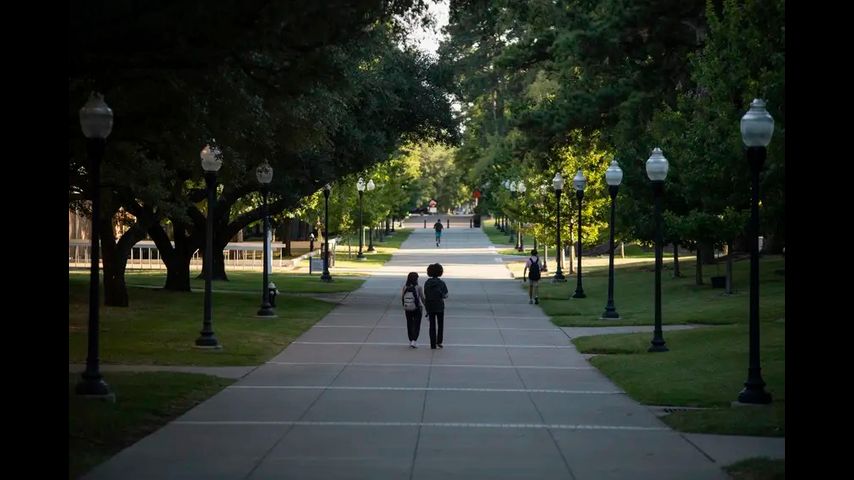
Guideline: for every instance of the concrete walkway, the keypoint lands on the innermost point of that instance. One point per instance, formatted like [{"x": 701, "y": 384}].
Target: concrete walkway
[{"x": 508, "y": 396}]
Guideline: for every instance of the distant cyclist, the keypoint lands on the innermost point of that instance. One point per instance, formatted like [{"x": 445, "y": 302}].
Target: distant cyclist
[{"x": 438, "y": 227}]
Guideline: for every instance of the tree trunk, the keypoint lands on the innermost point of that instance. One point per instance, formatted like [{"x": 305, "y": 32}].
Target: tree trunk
[
  {"x": 699, "y": 276},
  {"x": 177, "y": 258},
  {"x": 676, "y": 272},
  {"x": 115, "y": 288},
  {"x": 707, "y": 252},
  {"x": 287, "y": 239}
]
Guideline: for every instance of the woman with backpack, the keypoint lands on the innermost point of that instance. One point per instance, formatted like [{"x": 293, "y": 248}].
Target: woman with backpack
[
  {"x": 532, "y": 273},
  {"x": 435, "y": 293},
  {"x": 412, "y": 297}
]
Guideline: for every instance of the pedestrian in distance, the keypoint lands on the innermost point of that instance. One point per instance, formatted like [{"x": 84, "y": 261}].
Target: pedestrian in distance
[
  {"x": 531, "y": 273},
  {"x": 438, "y": 227}
]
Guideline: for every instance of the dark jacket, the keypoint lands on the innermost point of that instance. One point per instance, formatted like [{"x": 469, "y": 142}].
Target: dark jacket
[{"x": 435, "y": 291}]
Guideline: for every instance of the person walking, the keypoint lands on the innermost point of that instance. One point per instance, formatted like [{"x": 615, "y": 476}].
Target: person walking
[
  {"x": 532, "y": 273},
  {"x": 435, "y": 293},
  {"x": 412, "y": 297},
  {"x": 438, "y": 227}
]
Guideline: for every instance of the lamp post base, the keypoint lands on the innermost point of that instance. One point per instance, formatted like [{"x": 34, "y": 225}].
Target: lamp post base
[
  {"x": 93, "y": 388},
  {"x": 361, "y": 257},
  {"x": 658, "y": 346},
  {"x": 266, "y": 311},
  {"x": 579, "y": 294},
  {"x": 326, "y": 277},
  {"x": 754, "y": 393},
  {"x": 558, "y": 278},
  {"x": 207, "y": 341},
  {"x": 610, "y": 314}
]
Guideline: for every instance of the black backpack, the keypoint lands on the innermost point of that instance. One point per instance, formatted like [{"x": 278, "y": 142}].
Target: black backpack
[{"x": 534, "y": 269}]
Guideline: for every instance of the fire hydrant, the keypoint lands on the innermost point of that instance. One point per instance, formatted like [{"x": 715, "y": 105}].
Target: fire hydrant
[{"x": 272, "y": 291}]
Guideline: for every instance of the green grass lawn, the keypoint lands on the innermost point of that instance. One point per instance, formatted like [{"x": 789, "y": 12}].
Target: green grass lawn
[
  {"x": 160, "y": 327},
  {"x": 499, "y": 238},
  {"x": 373, "y": 260},
  {"x": 682, "y": 300},
  {"x": 757, "y": 469},
  {"x": 705, "y": 367},
  {"x": 144, "y": 402}
]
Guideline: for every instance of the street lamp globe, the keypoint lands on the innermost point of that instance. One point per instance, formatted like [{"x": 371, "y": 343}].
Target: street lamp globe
[
  {"x": 96, "y": 118},
  {"x": 360, "y": 184},
  {"x": 557, "y": 182},
  {"x": 757, "y": 125},
  {"x": 371, "y": 185},
  {"x": 579, "y": 181},
  {"x": 520, "y": 187},
  {"x": 513, "y": 187},
  {"x": 657, "y": 166},
  {"x": 211, "y": 158},
  {"x": 264, "y": 173},
  {"x": 614, "y": 174}
]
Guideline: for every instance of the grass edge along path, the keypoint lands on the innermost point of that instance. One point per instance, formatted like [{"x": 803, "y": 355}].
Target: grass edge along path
[
  {"x": 758, "y": 468},
  {"x": 144, "y": 402},
  {"x": 704, "y": 368}
]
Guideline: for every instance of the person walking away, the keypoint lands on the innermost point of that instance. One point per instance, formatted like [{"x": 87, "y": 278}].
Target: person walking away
[
  {"x": 532, "y": 273},
  {"x": 435, "y": 293},
  {"x": 412, "y": 298},
  {"x": 438, "y": 227}
]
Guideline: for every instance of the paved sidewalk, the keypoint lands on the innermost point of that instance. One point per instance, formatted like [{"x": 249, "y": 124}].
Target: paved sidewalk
[{"x": 508, "y": 396}]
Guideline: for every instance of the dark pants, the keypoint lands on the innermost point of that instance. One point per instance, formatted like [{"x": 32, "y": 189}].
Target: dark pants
[
  {"x": 434, "y": 318},
  {"x": 413, "y": 323}
]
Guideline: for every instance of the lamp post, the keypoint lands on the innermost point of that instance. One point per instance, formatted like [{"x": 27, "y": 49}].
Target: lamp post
[
  {"x": 211, "y": 163},
  {"x": 370, "y": 187},
  {"x": 326, "y": 277},
  {"x": 264, "y": 174},
  {"x": 757, "y": 126},
  {"x": 579, "y": 182},
  {"x": 96, "y": 122},
  {"x": 613, "y": 177},
  {"x": 521, "y": 188},
  {"x": 656, "y": 170},
  {"x": 544, "y": 192},
  {"x": 557, "y": 184},
  {"x": 360, "y": 187},
  {"x": 511, "y": 185}
]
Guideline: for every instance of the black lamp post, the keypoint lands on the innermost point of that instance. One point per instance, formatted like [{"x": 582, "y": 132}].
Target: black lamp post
[
  {"x": 656, "y": 170},
  {"x": 326, "y": 277},
  {"x": 370, "y": 187},
  {"x": 360, "y": 187},
  {"x": 521, "y": 189},
  {"x": 757, "y": 126},
  {"x": 544, "y": 191},
  {"x": 579, "y": 182},
  {"x": 211, "y": 163},
  {"x": 613, "y": 177},
  {"x": 96, "y": 121},
  {"x": 264, "y": 173},
  {"x": 511, "y": 185},
  {"x": 557, "y": 183}
]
